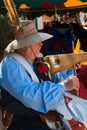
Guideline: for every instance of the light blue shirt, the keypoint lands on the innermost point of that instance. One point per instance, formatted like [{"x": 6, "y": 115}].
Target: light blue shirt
[
  {"x": 62, "y": 75},
  {"x": 15, "y": 79}
]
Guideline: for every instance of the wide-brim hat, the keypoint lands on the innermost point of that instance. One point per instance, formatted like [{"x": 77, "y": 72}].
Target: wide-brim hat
[{"x": 27, "y": 35}]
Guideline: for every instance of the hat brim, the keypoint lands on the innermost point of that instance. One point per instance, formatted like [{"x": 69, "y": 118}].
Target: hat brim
[{"x": 28, "y": 40}]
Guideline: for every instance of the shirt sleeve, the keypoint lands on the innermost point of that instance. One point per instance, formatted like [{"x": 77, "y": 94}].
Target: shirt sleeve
[
  {"x": 41, "y": 97},
  {"x": 62, "y": 75}
]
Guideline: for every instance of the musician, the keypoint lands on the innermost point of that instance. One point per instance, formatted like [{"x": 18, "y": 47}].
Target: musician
[{"x": 26, "y": 94}]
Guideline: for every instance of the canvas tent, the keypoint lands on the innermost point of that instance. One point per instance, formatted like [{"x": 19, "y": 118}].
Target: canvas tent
[{"x": 34, "y": 4}]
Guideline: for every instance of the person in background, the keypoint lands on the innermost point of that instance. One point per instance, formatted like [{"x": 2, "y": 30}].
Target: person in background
[{"x": 26, "y": 94}]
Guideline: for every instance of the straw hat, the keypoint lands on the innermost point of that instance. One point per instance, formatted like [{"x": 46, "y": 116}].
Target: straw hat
[{"x": 26, "y": 36}]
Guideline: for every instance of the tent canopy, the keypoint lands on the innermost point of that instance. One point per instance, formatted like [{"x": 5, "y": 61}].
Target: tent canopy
[{"x": 34, "y": 4}]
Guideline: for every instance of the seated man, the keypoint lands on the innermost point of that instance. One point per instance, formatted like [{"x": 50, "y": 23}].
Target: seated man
[{"x": 26, "y": 94}]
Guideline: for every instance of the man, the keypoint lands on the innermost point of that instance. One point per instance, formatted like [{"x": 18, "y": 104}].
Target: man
[{"x": 25, "y": 94}]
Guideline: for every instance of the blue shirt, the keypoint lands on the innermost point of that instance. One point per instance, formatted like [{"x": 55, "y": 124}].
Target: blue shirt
[
  {"x": 62, "y": 75},
  {"x": 15, "y": 79}
]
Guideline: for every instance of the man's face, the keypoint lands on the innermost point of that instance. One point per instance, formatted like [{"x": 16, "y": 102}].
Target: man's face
[
  {"x": 31, "y": 51},
  {"x": 36, "y": 47}
]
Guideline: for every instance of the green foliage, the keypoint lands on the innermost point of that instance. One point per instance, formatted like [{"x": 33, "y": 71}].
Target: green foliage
[{"x": 6, "y": 32}]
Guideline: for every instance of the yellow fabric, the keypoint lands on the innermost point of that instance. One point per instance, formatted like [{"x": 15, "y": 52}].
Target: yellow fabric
[{"x": 77, "y": 49}]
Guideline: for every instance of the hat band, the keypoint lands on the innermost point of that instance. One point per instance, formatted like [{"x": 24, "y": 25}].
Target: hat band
[{"x": 26, "y": 30}]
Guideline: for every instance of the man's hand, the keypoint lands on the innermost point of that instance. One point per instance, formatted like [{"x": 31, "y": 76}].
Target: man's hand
[{"x": 71, "y": 83}]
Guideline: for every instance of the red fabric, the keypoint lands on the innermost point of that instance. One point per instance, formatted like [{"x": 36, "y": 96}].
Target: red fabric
[
  {"x": 83, "y": 82},
  {"x": 83, "y": 91},
  {"x": 57, "y": 45},
  {"x": 83, "y": 75},
  {"x": 67, "y": 99},
  {"x": 42, "y": 68},
  {"x": 47, "y": 5},
  {"x": 75, "y": 125}
]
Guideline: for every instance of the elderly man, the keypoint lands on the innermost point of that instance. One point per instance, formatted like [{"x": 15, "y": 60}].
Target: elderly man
[{"x": 25, "y": 93}]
